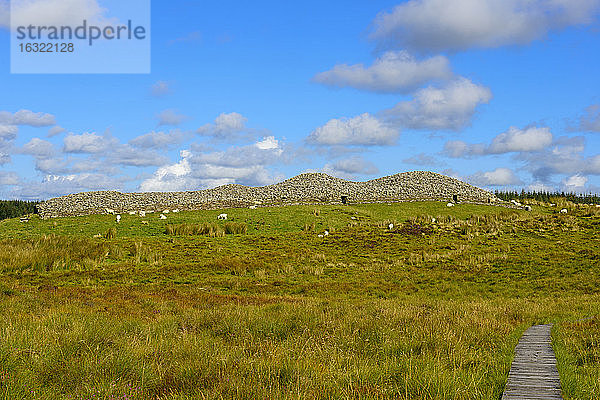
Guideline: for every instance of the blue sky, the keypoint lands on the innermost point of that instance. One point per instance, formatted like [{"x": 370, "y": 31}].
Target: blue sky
[{"x": 503, "y": 94}]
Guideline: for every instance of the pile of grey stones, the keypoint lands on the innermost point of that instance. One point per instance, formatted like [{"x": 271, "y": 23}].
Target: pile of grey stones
[{"x": 304, "y": 188}]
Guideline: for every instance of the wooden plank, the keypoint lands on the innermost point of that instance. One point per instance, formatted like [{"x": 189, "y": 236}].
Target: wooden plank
[{"x": 533, "y": 374}]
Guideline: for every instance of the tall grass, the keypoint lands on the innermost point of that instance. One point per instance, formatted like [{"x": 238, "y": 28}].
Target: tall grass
[
  {"x": 383, "y": 349},
  {"x": 577, "y": 346},
  {"x": 51, "y": 253},
  {"x": 145, "y": 253},
  {"x": 235, "y": 228},
  {"x": 111, "y": 233},
  {"x": 208, "y": 229}
]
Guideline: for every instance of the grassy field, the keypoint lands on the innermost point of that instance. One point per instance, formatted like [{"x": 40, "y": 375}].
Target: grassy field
[{"x": 266, "y": 305}]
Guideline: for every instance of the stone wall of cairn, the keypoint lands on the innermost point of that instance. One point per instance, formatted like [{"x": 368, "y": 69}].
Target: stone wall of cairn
[{"x": 305, "y": 188}]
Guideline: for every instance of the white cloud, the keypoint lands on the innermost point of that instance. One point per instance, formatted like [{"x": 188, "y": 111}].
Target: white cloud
[
  {"x": 519, "y": 140},
  {"x": 267, "y": 151},
  {"x": 350, "y": 168},
  {"x": 158, "y": 140},
  {"x": 590, "y": 122},
  {"x": 8, "y": 132},
  {"x": 26, "y": 117},
  {"x": 125, "y": 154},
  {"x": 4, "y": 156},
  {"x": 160, "y": 89},
  {"x": 363, "y": 130},
  {"x": 455, "y": 25},
  {"x": 38, "y": 147},
  {"x": 268, "y": 143},
  {"x": 592, "y": 165},
  {"x": 393, "y": 72},
  {"x": 226, "y": 126},
  {"x": 497, "y": 177},
  {"x": 231, "y": 121},
  {"x": 450, "y": 107},
  {"x": 564, "y": 157},
  {"x": 242, "y": 164},
  {"x": 8, "y": 178},
  {"x": 88, "y": 143},
  {"x": 58, "y": 185},
  {"x": 51, "y": 12},
  {"x": 55, "y": 130},
  {"x": 459, "y": 149},
  {"x": 53, "y": 165},
  {"x": 173, "y": 177},
  {"x": 575, "y": 182},
  {"x": 170, "y": 117},
  {"x": 513, "y": 140}
]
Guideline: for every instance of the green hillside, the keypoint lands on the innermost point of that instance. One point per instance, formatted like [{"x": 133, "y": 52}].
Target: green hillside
[{"x": 406, "y": 300}]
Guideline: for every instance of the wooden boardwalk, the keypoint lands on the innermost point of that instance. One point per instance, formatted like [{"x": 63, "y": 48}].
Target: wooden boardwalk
[{"x": 533, "y": 374}]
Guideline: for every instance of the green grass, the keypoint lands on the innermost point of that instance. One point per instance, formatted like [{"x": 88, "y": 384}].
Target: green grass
[{"x": 261, "y": 306}]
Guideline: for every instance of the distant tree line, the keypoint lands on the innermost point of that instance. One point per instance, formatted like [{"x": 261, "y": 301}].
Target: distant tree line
[
  {"x": 548, "y": 197},
  {"x": 16, "y": 208}
]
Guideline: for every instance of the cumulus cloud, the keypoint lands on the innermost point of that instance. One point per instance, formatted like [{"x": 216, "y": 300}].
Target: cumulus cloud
[
  {"x": 513, "y": 140},
  {"x": 8, "y": 178},
  {"x": 362, "y": 130},
  {"x": 58, "y": 185},
  {"x": 38, "y": 147},
  {"x": 26, "y": 117},
  {"x": 8, "y": 132},
  {"x": 173, "y": 177},
  {"x": 564, "y": 157},
  {"x": 393, "y": 72},
  {"x": 170, "y": 117},
  {"x": 129, "y": 156},
  {"x": 450, "y": 107},
  {"x": 54, "y": 165},
  {"x": 455, "y": 25},
  {"x": 51, "y": 12},
  {"x": 461, "y": 149},
  {"x": 226, "y": 126},
  {"x": 520, "y": 140},
  {"x": 160, "y": 89},
  {"x": 159, "y": 140},
  {"x": 268, "y": 143},
  {"x": 590, "y": 121},
  {"x": 102, "y": 157},
  {"x": 497, "y": 177},
  {"x": 575, "y": 183},
  {"x": 350, "y": 168},
  {"x": 264, "y": 152},
  {"x": 4, "y": 156},
  {"x": 55, "y": 130},
  {"x": 88, "y": 143},
  {"x": 88, "y": 153},
  {"x": 242, "y": 164}
]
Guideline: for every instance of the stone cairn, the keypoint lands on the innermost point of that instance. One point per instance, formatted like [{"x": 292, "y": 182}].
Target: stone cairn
[{"x": 304, "y": 188}]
